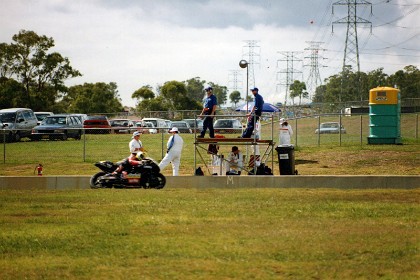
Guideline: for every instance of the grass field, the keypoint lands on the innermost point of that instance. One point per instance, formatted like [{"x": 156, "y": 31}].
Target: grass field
[{"x": 210, "y": 234}]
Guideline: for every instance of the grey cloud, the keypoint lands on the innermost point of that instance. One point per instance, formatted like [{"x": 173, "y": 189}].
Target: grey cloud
[{"x": 221, "y": 14}]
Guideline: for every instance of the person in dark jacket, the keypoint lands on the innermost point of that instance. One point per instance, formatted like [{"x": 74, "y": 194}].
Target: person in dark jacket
[
  {"x": 209, "y": 110},
  {"x": 255, "y": 113}
]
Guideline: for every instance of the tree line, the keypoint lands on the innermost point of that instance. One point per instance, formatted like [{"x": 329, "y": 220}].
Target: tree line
[
  {"x": 33, "y": 76},
  {"x": 354, "y": 86}
]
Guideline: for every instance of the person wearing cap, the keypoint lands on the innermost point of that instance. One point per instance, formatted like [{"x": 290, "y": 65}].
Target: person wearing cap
[
  {"x": 209, "y": 110},
  {"x": 173, "y": 152},
  {"x": 286, "y": 132},
  {"x": 255, "y": 113},
  {"x": 135, "y": 144},
  {"x": 234, "y": 161}
]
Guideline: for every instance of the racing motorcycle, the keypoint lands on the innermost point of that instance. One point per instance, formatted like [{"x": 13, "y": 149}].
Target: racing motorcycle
[{"x": 147, "y": 176}]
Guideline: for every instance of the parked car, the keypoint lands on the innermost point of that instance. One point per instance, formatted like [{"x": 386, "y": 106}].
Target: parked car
[
  {"x": 122, "y": 125},
  {"x": 168, "y": 123},
  {"x": 183, "y": 127},
  {"x": 158, "y": 123},
  {"x": 140, "y": 127},
  {"x": 150, "y": 127},
  {"x": 82, "y": 117},
  {"x": 97, "y": 125},
  {"x": 330, "y": 128},
  {"x": 57, "y": 127},
  {"x": 198, "y": 124},
  {"x": 16, "y": 123},
  {"x": 227, "y": 126},
  {"x": 41, "y": 115}
]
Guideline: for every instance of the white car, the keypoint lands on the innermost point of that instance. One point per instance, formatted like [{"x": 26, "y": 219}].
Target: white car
[
  {"x": 150, "y": 127},
  {"x": 330, "y": 128}
]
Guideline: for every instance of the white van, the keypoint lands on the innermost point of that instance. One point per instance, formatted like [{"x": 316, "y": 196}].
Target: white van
[
  {"x": 16, "y": 123},
  {"x": 160, "y": 124},
  {"x": 41, "y": 115}
]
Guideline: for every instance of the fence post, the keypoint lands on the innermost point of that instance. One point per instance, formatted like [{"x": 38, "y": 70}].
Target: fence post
[
  {"x": 84, "y": 145},
  {"x": 161, "y": 132},
  {"x": 319, "y": 132},
  {"x": 4, "y": 146},
  {"x": 296, "y": 131},
  {"x": 339, "y": 129},
  {"x": 361, "y": 130},
  {"x": 417, "y": 126}
]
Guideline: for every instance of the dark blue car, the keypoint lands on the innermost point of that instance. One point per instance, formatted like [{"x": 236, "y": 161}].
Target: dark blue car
[{"x": 58, "y": 127}]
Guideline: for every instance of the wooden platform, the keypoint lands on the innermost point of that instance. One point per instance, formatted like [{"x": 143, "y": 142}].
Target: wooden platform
[{"x": 232, "y": 141}]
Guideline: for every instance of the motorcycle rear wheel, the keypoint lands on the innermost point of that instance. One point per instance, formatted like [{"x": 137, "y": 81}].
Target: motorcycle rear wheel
[{"x": 94, "y": 184}]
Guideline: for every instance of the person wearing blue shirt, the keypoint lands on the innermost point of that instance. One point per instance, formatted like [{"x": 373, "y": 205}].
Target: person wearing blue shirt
[
  {"x": 256, "y": 111},
  {"x": 209, "y": 110}
]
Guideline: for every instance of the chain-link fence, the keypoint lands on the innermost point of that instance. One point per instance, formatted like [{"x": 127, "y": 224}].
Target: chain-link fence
[
  {"x": 308, "y": 131},
  {"x": 88, "y": 145}
]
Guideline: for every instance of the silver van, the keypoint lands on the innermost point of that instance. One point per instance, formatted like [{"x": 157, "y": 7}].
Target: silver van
[{"x": 16, "y": 123}]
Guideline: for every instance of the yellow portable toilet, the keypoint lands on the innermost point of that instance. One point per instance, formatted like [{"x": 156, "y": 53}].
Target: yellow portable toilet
[{"x": 384, "y": 116}]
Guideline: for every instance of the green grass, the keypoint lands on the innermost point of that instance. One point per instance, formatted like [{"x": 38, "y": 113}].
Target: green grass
[{"x": 210, "y": 234}]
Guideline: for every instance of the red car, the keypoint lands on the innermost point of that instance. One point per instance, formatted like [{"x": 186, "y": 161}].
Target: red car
[{"x": 97, "y": 125}]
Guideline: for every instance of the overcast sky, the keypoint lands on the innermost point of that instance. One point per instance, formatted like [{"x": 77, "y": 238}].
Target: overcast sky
[{"x": 138, "y": 42}]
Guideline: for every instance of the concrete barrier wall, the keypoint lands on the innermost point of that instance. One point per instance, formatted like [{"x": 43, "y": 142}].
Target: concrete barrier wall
[{"x": 301, "y": 181}]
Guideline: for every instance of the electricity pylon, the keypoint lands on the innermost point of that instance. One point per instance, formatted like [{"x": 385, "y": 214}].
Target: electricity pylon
[
  {"x": 291, "y": 58},
  {"x": 314, "y": 78},
  {"x": 251, "y": 53}
]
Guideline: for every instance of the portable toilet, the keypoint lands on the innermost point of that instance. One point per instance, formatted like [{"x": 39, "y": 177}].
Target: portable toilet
[{"x": 384, "y": 116}]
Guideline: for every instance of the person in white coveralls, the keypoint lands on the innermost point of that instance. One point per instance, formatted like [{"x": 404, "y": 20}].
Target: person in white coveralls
[
  {"x": 173, "y": 152},
  {"x": 286, "y": 132}
]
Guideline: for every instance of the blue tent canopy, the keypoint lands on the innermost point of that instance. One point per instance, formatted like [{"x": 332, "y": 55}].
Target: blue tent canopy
[{"x": 267, "y": 107}]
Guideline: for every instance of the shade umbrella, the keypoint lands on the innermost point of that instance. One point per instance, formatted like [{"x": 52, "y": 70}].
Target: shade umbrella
[{"x": 267, "y": 107}]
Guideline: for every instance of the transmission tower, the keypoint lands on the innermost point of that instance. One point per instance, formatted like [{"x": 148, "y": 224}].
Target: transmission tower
[
  {"x": 351, "y": 50},
  {"x": 290, "y": 72},
  {"x": 251, "y": 53},
  {"x": 235, "y": 80},
  {"x": 314, "y": 78}
]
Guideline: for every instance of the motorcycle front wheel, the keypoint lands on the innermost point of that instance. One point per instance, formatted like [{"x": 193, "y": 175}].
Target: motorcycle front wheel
[
  {"x": 159, "y": 181},
  {"x": 94, "y": 183}
]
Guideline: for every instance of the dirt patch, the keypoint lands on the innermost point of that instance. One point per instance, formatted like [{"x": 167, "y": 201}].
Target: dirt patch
[{"x": 360, "y": 162}]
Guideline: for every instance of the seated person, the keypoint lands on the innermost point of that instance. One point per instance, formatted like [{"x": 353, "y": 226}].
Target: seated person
[
  {"x": 234, "y": 161},
  {"x": 124, "y": 166}
]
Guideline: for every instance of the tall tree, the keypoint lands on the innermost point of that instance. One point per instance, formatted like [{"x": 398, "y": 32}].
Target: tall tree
[
  {"x": 220, "y": 92},
  {"x": 195, "y": 89},
  {"x": 42, "y": 74},
  {"x": 158, "y": 103},
  {"x": 408, "y": 81},
  {"x": 298, "y": 89},
  {"x": 377, "y": 78},
  {"x": 6, "y": 61},
  {"x": 143, "y": 93},
  {"x": 235, "y": 97},
  {"x": 93, "y": 98},
  {"x": 176, "y": 94}
]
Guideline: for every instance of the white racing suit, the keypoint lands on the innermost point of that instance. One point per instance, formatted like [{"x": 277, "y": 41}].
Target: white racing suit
[
  {"x": 285, "y": 135},
  {"x": 173, "y": 155},
  {"x": 234, "y": 162}
]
